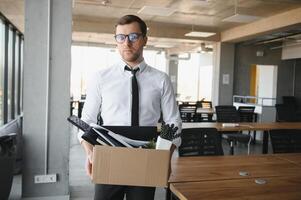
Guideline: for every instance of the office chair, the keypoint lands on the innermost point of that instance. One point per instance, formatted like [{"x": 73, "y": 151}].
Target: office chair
[
  {"x": 7, "y": 160},
  {"x": 200, "y": 117},
  {"x": 200, "y": 142},
  {"x": 286, "y": 140},
  {"x": 247, "y": 114},
  {"x": 187, "y": 112},
  {"x": 290, "y": 101},
  {"x": 229, "y": 114},
  {"x": 285, "y": 113}
]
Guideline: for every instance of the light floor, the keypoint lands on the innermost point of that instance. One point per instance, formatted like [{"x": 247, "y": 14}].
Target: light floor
[{"x": 81, "y": 187}]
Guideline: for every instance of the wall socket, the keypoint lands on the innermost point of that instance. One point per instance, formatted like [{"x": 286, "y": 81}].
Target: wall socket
[{"x": 47, "y": 178}]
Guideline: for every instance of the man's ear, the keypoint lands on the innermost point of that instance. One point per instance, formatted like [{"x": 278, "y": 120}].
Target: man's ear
[{"x": 145, "y": 41}]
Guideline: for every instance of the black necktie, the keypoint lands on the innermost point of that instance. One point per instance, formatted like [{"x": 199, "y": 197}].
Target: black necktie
[{"x": 135, "y": 97}]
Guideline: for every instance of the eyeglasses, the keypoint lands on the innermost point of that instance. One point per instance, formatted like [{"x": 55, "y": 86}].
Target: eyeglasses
[{"x": 132, "y": 37}]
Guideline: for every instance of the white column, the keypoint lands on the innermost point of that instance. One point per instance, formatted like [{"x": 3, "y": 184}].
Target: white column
[
  {"x": 41, "y": 51},
  {"x": 172, "y": 71}
]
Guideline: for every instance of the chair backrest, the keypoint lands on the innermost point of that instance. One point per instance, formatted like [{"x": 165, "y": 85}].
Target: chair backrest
[
  {"x": 226, "y": 114},
  {"x": 289, "y": 101},
  {"x": 286, "y": 141},
  {"x": 200, "y": 142},
  {"x": 246, "y": 113},
  {"x": 204, "y": 104},
  {"x": 187, "y": 112},
  {"x": 285, "y": 113}
]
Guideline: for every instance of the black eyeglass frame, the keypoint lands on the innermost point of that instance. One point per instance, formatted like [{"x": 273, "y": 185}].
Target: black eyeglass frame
[{"x": 132, "y": 37}]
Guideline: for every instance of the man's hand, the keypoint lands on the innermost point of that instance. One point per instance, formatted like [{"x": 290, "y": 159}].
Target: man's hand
[
  {"x": 172, "y": 149},
  {"x": 89, "y": 153},
  {"x": 88, "y": 166}
]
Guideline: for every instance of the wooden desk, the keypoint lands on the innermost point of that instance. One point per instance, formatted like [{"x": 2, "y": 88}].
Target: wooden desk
[
  {"x": 204, "y": 168},
  {"x": 217, "y": 177},
  {"x": 291, "y": 157},
  {"x": 249, "y": 126},
  {"x": 288, "y": 188}
]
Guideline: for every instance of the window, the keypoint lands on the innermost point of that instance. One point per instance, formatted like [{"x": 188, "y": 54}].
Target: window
[
  {"x": 20, "y": 77},
  {"x": 11, "y": 71},
  {"x": 2, "y": 47},
  {"x": 10, "y": 75},
  {"x": 195, "y": 77},
  {"x": 16, "y": 74},
  {"x": 155, "y": 59},
  {"x": 86, "y": 60}
]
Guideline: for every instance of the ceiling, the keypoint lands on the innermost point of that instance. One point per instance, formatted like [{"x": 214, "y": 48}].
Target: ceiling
[
  {"x": 93, "y": 20},
  {"x": 206, "y": 14}
]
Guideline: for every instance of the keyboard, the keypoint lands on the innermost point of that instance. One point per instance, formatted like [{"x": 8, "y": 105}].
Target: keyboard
[{"x": 78, "y": 123}]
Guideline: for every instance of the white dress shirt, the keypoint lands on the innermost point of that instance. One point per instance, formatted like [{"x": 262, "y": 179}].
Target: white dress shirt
[{"x": 109, "y": 92}]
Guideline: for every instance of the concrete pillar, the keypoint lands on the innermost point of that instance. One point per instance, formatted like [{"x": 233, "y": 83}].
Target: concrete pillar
[
  {"x": 223, "y": 73},
  {"x": 46, "y": 151},
  {"x": 172, "y": 70}
]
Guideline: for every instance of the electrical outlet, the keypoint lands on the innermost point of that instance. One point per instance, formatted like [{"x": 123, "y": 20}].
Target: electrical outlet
[{"x": 47, "y": 178}]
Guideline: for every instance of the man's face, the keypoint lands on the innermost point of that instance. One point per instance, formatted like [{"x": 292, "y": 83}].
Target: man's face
[{"x": 131, "y": 52}]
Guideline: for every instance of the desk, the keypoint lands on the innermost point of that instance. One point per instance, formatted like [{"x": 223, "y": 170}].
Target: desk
[
  {"x": 287, "y": 188},
  {"x": 292, "y": 157},
  {"x": 249, "y": 126},
  {"x": 217, "y": 177},
  {"x": 204, "y": 168}
]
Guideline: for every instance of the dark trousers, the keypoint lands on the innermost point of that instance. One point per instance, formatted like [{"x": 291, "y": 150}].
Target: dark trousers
[{"x": 117, "y": 192}]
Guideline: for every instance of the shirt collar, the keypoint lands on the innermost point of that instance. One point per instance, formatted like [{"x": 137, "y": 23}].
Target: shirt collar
[{"x": 142, "y": 65}]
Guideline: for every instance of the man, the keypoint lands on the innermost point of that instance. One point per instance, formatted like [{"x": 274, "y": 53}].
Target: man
[{"x": 129, "y": 93}]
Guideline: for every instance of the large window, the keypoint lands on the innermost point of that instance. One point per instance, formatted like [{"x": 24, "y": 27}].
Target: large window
[
  {"x": 2, "y": 47},
  {"x": 86, "y": 60},
  {"x": 16, "y": 74},
  {"x": 10, "y": 75},
  {"x": 195, "y": 77},
  {"x": 11, "y": 69}
]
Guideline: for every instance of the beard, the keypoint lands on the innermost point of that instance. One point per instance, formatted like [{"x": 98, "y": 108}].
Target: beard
[{"x": 130, "y": 56}]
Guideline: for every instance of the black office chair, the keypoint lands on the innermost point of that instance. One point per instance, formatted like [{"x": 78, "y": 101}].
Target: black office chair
[
  {"x": 187, "y": 112},
  {"x": 286, "y": 141},
  {"x": 285, "y": 113},
  {"x": 204, "y": 117},
  {"x": 247, "y": 114},
  {"x": 290, "y": 101},
  {"x": 229, "y": 114},
  {"x": 200, "y": 142},
  {"x": 7, "y": 161}
]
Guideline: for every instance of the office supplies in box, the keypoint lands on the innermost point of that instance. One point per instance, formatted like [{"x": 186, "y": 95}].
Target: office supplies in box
[{"x": 130, "y": 166}]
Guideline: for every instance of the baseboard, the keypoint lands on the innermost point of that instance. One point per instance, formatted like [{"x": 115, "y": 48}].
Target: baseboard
[{"x": 66, "y": 197}]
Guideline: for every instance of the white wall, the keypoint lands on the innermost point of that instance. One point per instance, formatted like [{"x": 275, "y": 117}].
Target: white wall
[{"x": 266, "y": 83}]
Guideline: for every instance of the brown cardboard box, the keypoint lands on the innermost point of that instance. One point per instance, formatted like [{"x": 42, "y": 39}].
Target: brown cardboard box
[{"x": 130, "y": 166}]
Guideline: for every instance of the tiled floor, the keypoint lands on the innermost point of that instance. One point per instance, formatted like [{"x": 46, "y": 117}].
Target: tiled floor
[{"x": 81, "y": 187}]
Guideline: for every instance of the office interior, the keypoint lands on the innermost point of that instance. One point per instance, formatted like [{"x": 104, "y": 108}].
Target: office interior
[{"x": 36, "y": 39}]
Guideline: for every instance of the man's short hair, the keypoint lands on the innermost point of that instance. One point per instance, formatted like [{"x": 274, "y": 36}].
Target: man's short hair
[{"x": 127, "y": 19}]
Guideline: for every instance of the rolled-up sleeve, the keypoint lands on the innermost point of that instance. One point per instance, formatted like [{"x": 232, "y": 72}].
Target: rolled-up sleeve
[{"x": 170, "y": 109}]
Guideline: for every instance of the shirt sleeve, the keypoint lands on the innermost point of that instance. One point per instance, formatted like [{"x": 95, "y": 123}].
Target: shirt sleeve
[
  {"x": 92, "y": 103},
  {"x": 169, "y": 107}
]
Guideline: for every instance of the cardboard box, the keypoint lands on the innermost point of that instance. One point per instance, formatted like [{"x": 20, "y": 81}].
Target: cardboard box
[{"x": 130, "y": 166}]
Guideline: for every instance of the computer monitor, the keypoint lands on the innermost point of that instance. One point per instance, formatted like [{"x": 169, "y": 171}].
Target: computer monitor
[{"x": 135, "y": 132}]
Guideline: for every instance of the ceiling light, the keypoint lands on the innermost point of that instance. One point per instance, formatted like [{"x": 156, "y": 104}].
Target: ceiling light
[
  {"x": 164, "y": 45},
  {"x": 239, "y": 18},
  {"x": 199, "y": 34},
  {"x": 159, "y": 11},
  {"x": 105, "y": 2}
]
